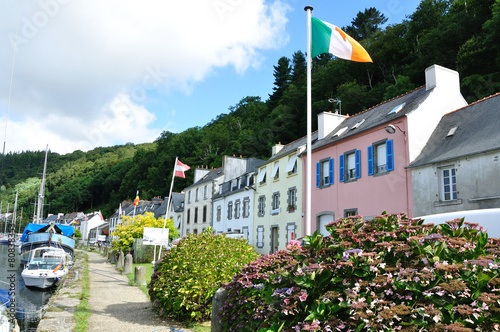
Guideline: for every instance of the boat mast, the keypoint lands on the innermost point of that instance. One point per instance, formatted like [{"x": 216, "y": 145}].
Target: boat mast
[
  {"x": 41, "y": 193},
  {"x": 14, "y": 216}
]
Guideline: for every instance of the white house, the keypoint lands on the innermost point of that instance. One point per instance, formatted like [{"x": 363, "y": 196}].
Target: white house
[
  {"x": 459, "y": 167},
  {"x": 278, "y": 198}
]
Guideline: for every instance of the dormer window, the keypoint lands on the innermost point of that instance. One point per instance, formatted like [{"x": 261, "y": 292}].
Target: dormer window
[
  {"x": 452, "y": 131},
  {"x": 358, "y": 124},
  {"x": 396, "y": 109}
]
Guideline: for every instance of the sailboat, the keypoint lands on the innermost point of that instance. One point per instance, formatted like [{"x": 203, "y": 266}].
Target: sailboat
[{"x": 38, "y": 234}]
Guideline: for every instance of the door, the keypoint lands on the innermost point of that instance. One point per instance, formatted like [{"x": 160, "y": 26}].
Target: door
[
  {"x": 324, "y": 220},
  {"x": 274, "y": 239}
]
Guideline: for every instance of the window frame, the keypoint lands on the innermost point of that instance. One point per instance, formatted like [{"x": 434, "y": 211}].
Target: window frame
[
  {"x": 260, "y": 237},
  {"x": 321, "y": 181},
  {"x": 344, "y": 170},
  {"x": 219, "y": 213},
  {"x": 453, "y": 192},
  {"x": 237, "y": 205},
  {"x": 229, "y": 210},
  {"x": 372, "y": 157},
  {"x": 261, "y": 204}
]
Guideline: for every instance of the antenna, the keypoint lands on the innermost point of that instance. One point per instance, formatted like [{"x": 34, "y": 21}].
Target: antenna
[{"x": 337, "y": 101}]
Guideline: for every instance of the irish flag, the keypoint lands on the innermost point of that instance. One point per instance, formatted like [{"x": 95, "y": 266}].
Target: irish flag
[
  {"x": 180, "y": 168},
  {"x": 327, "y": 38}
]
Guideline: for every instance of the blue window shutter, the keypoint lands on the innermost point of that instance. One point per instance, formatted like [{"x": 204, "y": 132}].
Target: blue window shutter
[
  {"x": 390, "y": 155},
  {"x": 357, "y": 158},
  {"x": 370, "y": 160},
  {"x": 341, "y": 168},
  {"x": 318, "y": 174},
  {"x": 330, "y": 166}
]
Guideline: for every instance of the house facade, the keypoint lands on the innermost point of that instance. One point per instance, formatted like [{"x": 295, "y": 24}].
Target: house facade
[
  {"x": 198, "y": 207},
  {"x": 459, "y": 167},
  {"x": 277, "y": 198},
  {"x": 233, "y": 207},
  {"x": 198, "y": 201},
  {"x": 360, "y": 162}
]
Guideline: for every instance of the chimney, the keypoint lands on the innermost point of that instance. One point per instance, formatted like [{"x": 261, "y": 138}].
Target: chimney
[
  {"x": 437, "y": 76},
  {"x": 276, "y": 149},
  {"x": 327, "y": 121}
]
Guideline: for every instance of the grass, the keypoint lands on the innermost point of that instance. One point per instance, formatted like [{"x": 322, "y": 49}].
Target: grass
[
  {"x": 149, "y": 272},
  {"x": 197, "y": 327},
  {"x": 83, "y": 312}
]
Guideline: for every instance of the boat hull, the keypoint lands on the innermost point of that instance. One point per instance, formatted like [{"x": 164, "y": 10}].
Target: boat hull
[{"x": 42, "y": 280}]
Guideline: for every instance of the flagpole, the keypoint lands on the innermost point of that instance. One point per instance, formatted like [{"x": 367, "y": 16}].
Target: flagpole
[
  {"x": 170, "y": 193},
  {"x": 308, "y": 230},
  {"x": 168, "y": 201},
  {"x": 135, "y": 205}
]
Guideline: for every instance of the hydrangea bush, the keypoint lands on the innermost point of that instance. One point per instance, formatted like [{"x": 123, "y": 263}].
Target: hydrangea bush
[
  {"x": 386, "y": 274},
  {"x": 185, "y": 279}
]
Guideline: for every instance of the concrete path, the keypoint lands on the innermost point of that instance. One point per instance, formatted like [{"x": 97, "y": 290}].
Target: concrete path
[{"x": 116, "y": 306}]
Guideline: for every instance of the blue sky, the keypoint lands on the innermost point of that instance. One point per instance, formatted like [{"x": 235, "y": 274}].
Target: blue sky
[{"x": 93, "y": 73}]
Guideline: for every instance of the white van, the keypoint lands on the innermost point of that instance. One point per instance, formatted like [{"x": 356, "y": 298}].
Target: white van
[{"x": 488, "y": 218}]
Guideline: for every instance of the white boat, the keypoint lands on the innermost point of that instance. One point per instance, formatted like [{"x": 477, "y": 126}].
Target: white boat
[{"x": 46, "y": 266}]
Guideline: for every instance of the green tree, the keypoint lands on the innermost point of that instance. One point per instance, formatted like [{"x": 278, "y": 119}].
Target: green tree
[
  {"x": 366, "y": 24},
  {"x": 133, "y": 228}
]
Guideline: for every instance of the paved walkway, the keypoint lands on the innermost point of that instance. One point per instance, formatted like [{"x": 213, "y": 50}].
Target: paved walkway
[{"x": 116, "y": 306}]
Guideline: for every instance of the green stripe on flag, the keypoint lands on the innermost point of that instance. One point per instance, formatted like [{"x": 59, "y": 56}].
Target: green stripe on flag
[{"x": 321, "y": 35}]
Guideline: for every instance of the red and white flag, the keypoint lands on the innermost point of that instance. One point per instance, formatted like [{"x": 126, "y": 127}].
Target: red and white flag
[{"x": 180, "y": 168}]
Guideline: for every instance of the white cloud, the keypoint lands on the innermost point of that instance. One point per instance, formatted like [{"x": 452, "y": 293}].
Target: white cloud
[{"x": 76, "y": 58}]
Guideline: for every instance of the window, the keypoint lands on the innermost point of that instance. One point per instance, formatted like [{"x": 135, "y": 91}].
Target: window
[
  {"x": 197, "y": 194},
  {"x": 237, "y": 205},
  {"x": 350, "y": 213},
  {"x": 291, "y": 167},
  {"x": 195, "y": 231},
  {"x": 230, "y": 210},
  {"x": 219, "y": 213},
  {"x": 260, "y": 236},
  {"x": 324, "y": 172},
  {"x": 189, "y": 196},
  {"x": 380, "y": 157},
  {"x": 178, "y": 222},
  {"x": 246, "y": 207},
  {"x": 196, "y": 214},
  {"x": 276, "y": 171},
  {"x": 262, "y": 206},
  {"x": 292, "y": 199},
  {"x": 448, "y": 184},
  {"x": 261, "y": 179},
  {"x": 276, "y": 201},
  {"x": 188, "y": 219},
  {"x": 204, "y": 213},
  {"x": 205, "y": 192},
  {"x": 350, "y": 166}
]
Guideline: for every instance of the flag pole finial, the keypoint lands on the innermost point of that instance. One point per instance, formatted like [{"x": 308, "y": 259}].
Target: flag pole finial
[{"x": 306, "y": 8}]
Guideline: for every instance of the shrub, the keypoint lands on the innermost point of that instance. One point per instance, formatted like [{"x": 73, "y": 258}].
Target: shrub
[
  {"x": 185, "y": 279},
  {"x": 385, "y": 274}
]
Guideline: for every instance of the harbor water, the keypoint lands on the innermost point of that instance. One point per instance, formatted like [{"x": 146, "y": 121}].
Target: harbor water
[{"x": 29, "y": 303}]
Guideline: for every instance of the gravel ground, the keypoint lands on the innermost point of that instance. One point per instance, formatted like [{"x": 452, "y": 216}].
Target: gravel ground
[{"x": 116, "y": 306}]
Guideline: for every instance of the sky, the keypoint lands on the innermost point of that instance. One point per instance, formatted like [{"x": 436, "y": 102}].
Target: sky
[{"x": 81, "y": 74}]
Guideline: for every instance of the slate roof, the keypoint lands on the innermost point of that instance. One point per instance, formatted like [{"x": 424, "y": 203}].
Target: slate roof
[
  {"x": 212, "y": 175},
  {"x": 177, "y": 200},
  {"x": 478, "y": 131},
  {"x": 293, "y": 146},
  {"x": 376, "y": 116}
]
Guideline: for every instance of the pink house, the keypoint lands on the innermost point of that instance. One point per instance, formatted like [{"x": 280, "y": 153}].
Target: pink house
[{"x": 360, "y": 162}]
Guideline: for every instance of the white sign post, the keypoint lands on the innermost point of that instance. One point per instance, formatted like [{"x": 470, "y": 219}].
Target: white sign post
[{"x": 155, "y": 237}]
